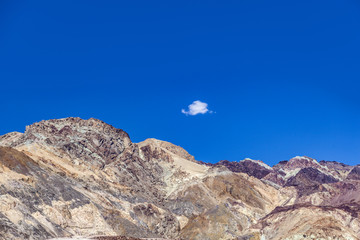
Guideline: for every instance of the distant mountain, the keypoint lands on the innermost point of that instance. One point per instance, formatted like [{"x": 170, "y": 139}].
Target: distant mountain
[
  {"x": 251, "y": 167},
  {"x": 71, "y": 177}
]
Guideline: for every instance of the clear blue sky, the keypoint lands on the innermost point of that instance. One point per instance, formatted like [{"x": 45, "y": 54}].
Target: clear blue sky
[{"x": 283, "y": 77}]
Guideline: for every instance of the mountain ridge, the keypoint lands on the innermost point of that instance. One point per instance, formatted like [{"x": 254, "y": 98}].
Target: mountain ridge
[
  {"x": 14, "y": 135},
  {"x": 68, "y": 177}
]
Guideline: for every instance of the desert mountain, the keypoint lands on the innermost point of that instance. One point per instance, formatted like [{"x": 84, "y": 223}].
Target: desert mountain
[{"x": 72, "y": 177}]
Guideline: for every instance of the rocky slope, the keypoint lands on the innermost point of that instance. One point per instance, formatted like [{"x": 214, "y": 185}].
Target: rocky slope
[{"x": 73, "y": 177}]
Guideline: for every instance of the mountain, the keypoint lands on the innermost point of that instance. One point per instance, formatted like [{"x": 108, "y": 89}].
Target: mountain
[
  {"x": 251, "y": 167},
  {"x": 71, "y": 177}
]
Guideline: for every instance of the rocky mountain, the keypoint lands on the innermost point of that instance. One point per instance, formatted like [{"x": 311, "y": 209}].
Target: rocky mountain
[
  {"x": 84, "y": 179},
  {"x": 254, "y": 168}
]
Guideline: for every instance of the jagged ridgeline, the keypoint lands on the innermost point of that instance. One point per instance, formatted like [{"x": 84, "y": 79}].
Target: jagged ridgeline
[{"x": 72, "y": 177}]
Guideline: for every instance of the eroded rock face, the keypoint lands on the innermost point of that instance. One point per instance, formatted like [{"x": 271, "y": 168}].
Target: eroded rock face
[
  {"x": 335, "y": 165},
  {"x": 309, "y": 222},
  {"x": 9, "y": 138},
  {"x": 309, "y": 177},
  {"x": 178, "y": 151},
  {"x": 251, "y": 167},
  {"x": 74, "y": 177},
  {"x": 354, "y": 174},
  {"x": 91, "y": 140}
]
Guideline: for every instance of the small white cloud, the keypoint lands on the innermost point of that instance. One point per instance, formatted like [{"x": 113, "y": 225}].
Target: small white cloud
[{"x": 197, "y": 107}]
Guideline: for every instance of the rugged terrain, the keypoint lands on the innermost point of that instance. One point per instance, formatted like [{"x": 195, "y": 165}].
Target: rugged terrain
[{"x": 72, "y": 177}]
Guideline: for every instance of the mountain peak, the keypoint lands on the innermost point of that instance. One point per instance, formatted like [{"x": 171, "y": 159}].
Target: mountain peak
[
  {"x": 177, "y": 150},
  {"x": 93, "y": 140},
  {"x": 72, "y": 125},
  {"x": 261, "y": 163},
  {"x": 251, "y": 167},
  {"x": 302, "y": 162},
  {"x": 54, "y": 125},
  {"x": 9, "y": 138},
  {"x": 70, "y": 176}
]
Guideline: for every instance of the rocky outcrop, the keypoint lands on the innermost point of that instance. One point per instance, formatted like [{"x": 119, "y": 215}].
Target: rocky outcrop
[
  {"x": 9, "y": 138},
  {"x": 177, "y": 150},
  {"x": 251, "y": 167},
  {"x": 309, "y": 177},
  {"x": 73, "y": 177},
  {"x": 335, "y": 165},
  {"x": 310, "y": 222},
  {"x": 354, "y": 174},
  {"x": 92, "y": 141}
]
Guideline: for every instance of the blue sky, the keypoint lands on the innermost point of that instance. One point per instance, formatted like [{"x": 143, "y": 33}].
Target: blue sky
[{"x": 280, "y": 77}]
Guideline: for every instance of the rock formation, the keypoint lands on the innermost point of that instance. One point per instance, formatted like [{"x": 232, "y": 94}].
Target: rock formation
[{"x": 72, "y": 177}]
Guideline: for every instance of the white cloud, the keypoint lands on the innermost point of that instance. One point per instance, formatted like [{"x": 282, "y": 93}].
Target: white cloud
[{"x": 197, "y": 107}]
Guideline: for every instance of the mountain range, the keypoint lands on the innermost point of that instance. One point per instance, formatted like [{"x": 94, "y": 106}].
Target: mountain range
[{"x": 84, "y": 179}]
